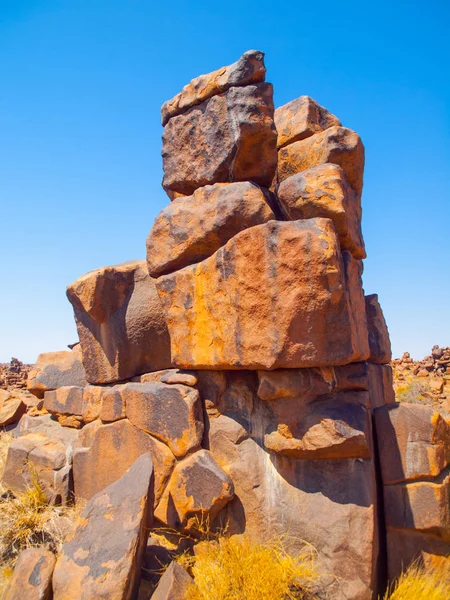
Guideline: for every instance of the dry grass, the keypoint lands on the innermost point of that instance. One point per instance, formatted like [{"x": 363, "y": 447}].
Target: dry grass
[
  {"x": 234, "y": 567},
  {"x": 423, "y": 583},
  {"x": 28, "y": 521},
  {"x": 413, "y": 391}
]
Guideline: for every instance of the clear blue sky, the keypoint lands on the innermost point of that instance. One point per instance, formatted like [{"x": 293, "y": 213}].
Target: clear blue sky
[{"x": 82, "y": 82}]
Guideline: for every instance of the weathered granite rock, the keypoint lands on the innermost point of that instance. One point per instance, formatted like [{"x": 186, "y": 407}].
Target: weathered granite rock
[
  {"x": 192, "y": 228},
  {"x": 379, "y": 341},
  {"x": 300, "y": 119},
  {"x": 229, "y": 137},
  {"x": 120, "y": 323},
  {"x": 173, "y": 584},
  {"x": 113, "y": 449},
  {"x": 248, "y": 69},
  {"x": 56, "y": 369},
  {"x": 102, "y": 557},
  {"x": 197, "y": 491},
  {"x": 324, "y": 191},
  {"x": 65, "y": 402},
  {"x": 44, "y": 452},
  {"x": 171, "y": 413},
  {"x": 413, "y": 442},
  {"x": 337, "y": 145},
  {"x": 32, "y": 577},
  {"x": 276, "y": 295},
  {"x": 12, "y": 407}
]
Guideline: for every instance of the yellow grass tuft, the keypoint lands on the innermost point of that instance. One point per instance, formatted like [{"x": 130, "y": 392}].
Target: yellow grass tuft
[
  {"x": 233, "y": 567},
  {"x": 423, "y": 583}
]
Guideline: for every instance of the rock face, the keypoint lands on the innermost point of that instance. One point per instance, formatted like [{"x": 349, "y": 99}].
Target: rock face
[
  {"x": 301, "y": 118},
  {"x": 32, "y": 577},
  {"x": 324, "y": 191},
  {"x": 120, "y": 323},
  {"x": 292, "y": 305},
  {"x": 103, "y": 555},
  {"x": 191, "y": 229},
  {"x": 56, "y": 369},
  {"x": 414, "y": 443},
  {"x": 379, "y": 342},
  {"x": 229, "y": 137}
]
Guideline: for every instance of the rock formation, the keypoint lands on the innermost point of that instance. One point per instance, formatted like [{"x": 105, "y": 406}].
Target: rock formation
[{"x": 244, "y": 358}]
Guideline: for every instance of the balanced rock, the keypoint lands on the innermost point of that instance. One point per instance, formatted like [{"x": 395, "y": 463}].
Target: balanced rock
[
  {"x": 229, "y": 137},
  {"x": 56, "y": 369},
  {"x": 337, "y": 145},
  {"x": 32, "y": 577},
  {"x": 173, "y": 584},
  {"x": 110, "y": 450},
  {"x": 276, "y": 295},
  {"x": 379, "y": 341},
  {"x": 192, "y": 228},
  {"x": 120, "y": 323},
  {"x": 324, "y": 191},
  {"x": 197, "y": 490},
  {"x": 300, "y": 119},
  {"x": 102, "y": 557},
  {"x": 248, "y": 69}
]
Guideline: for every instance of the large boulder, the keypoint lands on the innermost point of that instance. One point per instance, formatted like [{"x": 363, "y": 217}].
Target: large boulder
[
  {"x": 324, "y": 191},
  {"x": 300, "y": 119},
  {"x": 120, "y": 323},
  {"x": 276, "y": 295},
  {"x": 379, "y": 341},
  {"x": 337, "y": 145},
  {"x": 195, "y": 494},
  {"x": 109, "y": 450},
  {"x": 56, "y": 369},
  {"x": 248, "y": 69},
  {"x": 102, "y": 557},
  {"x": 32, "y": 577},
  {"x": 229, "y": 137},
  {"x": 191, "y": 229},
  {"x": 12, "y": 407}
]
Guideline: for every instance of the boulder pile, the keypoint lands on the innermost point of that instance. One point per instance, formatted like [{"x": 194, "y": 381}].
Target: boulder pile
[
  {"x": 14, "y": 375},
  {"x": 242, "y": 356}
]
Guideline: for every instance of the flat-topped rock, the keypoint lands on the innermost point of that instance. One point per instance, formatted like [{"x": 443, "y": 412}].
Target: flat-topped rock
[
  {"x": 248, "y": 69},
  {"x": 324, "y": 191},
  {"x": 192, "y": 228},
  {"x": 300, "y": 119},
  {"x": 279, "y": 295},
  {"x": 56, "y": 369},
  {"x": 120, "y": 323},
  {"x": 229, "y": 137}
]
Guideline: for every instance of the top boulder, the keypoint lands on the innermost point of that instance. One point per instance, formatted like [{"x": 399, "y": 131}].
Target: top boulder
[{"x": 248, "y": 69}]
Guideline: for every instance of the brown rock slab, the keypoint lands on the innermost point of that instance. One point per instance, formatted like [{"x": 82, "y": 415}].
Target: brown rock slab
[
  {"x": 172, "y": 413},
  {"x": 11, "y": 409},
  {"x": 56, "y": 369},
  {"x": 300, "y": 119},
  {"x": 338, "y": 427},
  {"x": 120, "y": 323},
  {"x": 197, "y": 490},
  {"x": 278, "y": 295},
  {"x": 248, "y": 69},
  {"x": 112, "y": 404},
  {"x": 192, "y": 228},
  {"x": 379, "y": 341},
  {"x": 102, "y": 557},
  {"x": 324, "y": 191},
  {"x": 66, "y": 400},
  {"x": 179, "y": 377},
  {"x": 380, "y": 385},
  {"x": 229, "y": 137},
  {"x": 173, "y": 584},
  {"x": 114, "y": 448},
  {"x": 413, "y": 442},
  {"x": 337, "y": 145},
  {"x": 32, "y": 577}
]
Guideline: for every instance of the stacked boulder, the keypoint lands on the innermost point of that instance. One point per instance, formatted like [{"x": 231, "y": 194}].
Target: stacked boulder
[{"x": 242, "y": 355}]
